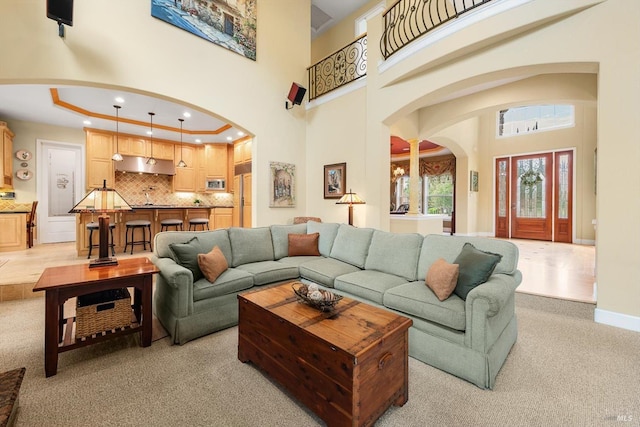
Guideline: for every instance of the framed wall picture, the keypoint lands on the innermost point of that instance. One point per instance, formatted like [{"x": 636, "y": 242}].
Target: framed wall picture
[
  {"x": 335, "y": 180},
  {"x": 231, "y": 25},
  {"x": 473, "y": 181},
  {"x": 283, "y": 190}
]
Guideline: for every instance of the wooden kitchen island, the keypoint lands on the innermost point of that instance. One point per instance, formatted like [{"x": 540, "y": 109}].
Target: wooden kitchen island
[{"x": 219, "y": 217}]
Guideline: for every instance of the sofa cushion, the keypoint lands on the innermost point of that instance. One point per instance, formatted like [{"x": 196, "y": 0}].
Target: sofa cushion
[
  {"x": 442, "y": 278},
  {"x": 415, "y": 299},
  {"x": 298, "y": 260},
  {"x": 368, "y": 284},
  {"x": 207, "y": 239},
  {"x": 186, "y": 254},
  {"x": 250, "y": 245},
  {"x": 229, "y": 282},
  {"x": 327, "y": 232},
  {"x": 324, "y": 270},
  {"x": 476, "y": 267},
  {"x": 394, "y": 253},
  {"x": 448, "y": 247},
  {"x": 304, "y": 244},
  {"x": 280, "y": 238},
  {"x": 265, "y": 272},
  {"x": 351, "y": 244},
  {"x": 212, "y": 264}
]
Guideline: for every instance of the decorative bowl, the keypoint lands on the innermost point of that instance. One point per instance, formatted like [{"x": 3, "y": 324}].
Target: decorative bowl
[{"x": 321, "y": 299}]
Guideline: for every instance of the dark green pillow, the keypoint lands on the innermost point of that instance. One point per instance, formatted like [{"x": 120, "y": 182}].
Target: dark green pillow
[
  {"x": 476, "y": 267},
  {"x": 186, "y": 254}
]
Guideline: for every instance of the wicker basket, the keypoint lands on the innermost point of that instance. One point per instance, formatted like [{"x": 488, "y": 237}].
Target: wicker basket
[{"x": 102, "y": 311}]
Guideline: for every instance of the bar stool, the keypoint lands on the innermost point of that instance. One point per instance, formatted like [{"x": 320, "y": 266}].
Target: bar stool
[
  {"x": 166, "y": 223},
  {"x": 93, "y": 226},
  {"x": 132, "y": 225},
  {"x": 195, "y": 222}
]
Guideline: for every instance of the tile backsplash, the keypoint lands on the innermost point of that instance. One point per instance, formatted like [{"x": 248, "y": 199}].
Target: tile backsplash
[{"x": 132, "y": 187}]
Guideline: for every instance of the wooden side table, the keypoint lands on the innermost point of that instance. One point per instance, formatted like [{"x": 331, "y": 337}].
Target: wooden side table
[{"x": 62, "y": 283}]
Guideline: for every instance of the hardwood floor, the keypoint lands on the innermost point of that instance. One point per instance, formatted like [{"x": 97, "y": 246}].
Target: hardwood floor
[{"x": 557, "y": 270}]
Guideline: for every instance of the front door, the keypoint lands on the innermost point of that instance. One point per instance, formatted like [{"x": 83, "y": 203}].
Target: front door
[
  {"x": 59, "y": 187},
  {"x": 534, "y": 195},
  {"x": 531, "y": 197}
]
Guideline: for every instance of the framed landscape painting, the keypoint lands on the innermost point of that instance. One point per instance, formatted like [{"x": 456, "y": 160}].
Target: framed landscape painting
[
  {"x": 230, "y": 24},
  {"x": 283, "y": 190},
  {"x": 335, "y": 180}
]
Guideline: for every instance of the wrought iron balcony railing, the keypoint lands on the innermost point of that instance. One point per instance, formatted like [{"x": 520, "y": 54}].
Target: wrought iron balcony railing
[
  {"x": 341, "y": 67},
  {"x": 407, "y": 20}
]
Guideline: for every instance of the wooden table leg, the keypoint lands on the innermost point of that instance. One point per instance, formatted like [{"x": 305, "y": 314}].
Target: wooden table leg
[
  {"x": 51, "y": 331},
  {"x": 147, "y": 323}
]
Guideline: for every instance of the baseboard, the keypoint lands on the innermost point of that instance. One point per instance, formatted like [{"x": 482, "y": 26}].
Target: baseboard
[{"x": 618, "y": 320}]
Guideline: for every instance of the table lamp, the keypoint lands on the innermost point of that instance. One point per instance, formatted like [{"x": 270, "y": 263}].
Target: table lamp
[
  {"x": 103, "y": 201},
  {"x": 350, "y": 199}
]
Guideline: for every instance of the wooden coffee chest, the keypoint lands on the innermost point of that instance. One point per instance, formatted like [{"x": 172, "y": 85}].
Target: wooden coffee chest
[{"x": 348, "y": 365}]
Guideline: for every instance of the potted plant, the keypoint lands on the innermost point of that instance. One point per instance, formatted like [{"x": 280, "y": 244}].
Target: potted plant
[{"x": 196, "y": 202}]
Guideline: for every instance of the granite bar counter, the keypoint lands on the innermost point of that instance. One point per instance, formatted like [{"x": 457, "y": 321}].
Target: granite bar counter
[{"x": 218, "y": 216}]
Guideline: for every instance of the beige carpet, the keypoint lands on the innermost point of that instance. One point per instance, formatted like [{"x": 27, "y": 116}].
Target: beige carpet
[{"x": 565, "y": 370}]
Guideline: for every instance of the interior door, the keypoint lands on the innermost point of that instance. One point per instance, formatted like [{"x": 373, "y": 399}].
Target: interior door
[
  {"x": 532, "y": 197},
  {"x": 60, "y": 186}
]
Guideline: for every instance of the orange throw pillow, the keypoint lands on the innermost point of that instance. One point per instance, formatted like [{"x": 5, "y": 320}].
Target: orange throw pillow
[
  {"x": 304, "y": 244},
  {"x": 212, "y": 264},
  {"x": 442, "y": 278}
]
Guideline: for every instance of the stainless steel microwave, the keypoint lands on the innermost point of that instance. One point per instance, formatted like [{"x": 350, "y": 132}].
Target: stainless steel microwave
[{"x": 216, "y": 184}]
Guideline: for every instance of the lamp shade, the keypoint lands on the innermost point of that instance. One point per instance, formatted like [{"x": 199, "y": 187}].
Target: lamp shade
[
  {"x": 101, "y": 200},
  {"x": 350, "y": 198}
]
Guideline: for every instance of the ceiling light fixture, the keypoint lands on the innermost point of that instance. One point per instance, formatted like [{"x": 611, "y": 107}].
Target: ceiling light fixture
[
  {"x": 151, "y": 161},
  {"x": 117, "y": 157},
  {"x": 186, "y": 114},
  {"x": 119, "y": 99},
  {"x": 181, "y": 163}
]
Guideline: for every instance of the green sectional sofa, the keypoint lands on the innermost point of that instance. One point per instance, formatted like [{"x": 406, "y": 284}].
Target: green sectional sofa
[{"x": 469, "y": 338}]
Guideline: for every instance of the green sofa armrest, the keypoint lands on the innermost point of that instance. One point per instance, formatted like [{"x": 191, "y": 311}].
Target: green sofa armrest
[
  {"x": 488, "y": 309},
  {"x": 173, "y": 273},
  {"x": 496, "y": 292}
]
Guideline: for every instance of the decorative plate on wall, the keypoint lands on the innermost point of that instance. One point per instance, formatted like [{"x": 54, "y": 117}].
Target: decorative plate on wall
[
  {"x": 23, "y": 155},
  {"x": 24, "y": 174}
]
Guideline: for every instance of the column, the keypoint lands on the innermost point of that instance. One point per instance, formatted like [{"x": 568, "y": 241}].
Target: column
[{"x": 414, "y": 176}]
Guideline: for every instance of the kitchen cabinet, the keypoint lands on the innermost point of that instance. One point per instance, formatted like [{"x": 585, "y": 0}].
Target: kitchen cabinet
[
  {"x": 242, "y": 151},
  {"x": 99, "y": 164},
  {"x": 230, "y": 168},
  {"x": 185, "y": 178},
  {"x": 216, "y": 160},
  {"x": 6, "y": 151},
  {"x": 222, "y": 218},
  {"x": 201, "y": 172},
  {"x": 133, "y": 146},
  {"x": 14, "y": 229},
  {"x": 163, "y": 150}
]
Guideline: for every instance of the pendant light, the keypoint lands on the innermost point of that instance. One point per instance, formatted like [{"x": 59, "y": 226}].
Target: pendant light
[
  {"x": 117, "y": 157},
  {"x": 181, "y": 163},
  {"x": 151, "y": 160}
]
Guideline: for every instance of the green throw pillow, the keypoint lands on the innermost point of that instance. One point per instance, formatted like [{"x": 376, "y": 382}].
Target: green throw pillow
[
  {"x": 476, "y": 267},
  {"x": 186, "y": 254}
]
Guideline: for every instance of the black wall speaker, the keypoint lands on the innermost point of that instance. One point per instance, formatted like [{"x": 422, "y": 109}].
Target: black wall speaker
[{"x": 296, "y": 94}]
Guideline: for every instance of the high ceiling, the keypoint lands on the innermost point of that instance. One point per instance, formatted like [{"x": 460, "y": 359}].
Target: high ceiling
[{"x": 72, "y": 106}]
